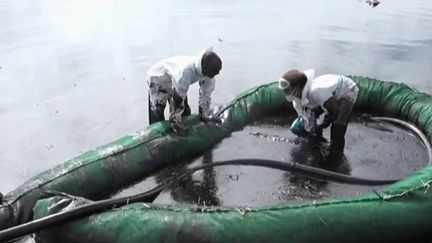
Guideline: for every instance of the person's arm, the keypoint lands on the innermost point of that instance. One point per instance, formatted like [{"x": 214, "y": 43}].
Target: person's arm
[
  {"x": 176, "y": 110},
  {"x": 177, "y": 99},
  {"x": 297, "y": 106},
  {"x": 205, "y": 91},
  {"x": 332, "y": 107},
  {"x": 307, "y": 114}
]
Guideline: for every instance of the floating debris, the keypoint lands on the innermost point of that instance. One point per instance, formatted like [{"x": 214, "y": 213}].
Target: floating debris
[
  {"x": 54, "y": 113},
  {"x": 49, "y": 147},
  {"x": 233, "y": 177},
  {"x": 373, "y": 3},
  {"x": 274, "y": 138}
]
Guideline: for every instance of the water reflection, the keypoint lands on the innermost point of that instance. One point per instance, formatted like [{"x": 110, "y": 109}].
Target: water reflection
[
  {"x": 367, "y": 156},
  {"x": 73, "y": 72},
  {"x": 311, "y": 152}
]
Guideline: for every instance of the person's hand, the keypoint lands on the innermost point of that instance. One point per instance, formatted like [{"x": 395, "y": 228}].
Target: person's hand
[
  {"x": 319, "y": 135},
  {"x": 319, "y": 131},
  {"x": 216, "y": 120},
  {"x": 327, "y": 121},
  {"x": 323, "y": 125},
  {"x": 178, "y": 127}
]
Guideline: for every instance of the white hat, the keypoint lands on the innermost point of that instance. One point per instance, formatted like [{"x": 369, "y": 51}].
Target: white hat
[{"x": 283, "y": 83}]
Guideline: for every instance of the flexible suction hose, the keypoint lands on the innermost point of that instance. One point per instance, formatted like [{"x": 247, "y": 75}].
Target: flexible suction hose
[
  {"x": 411, "y": 127},
  {"x": 149, "y": 196}
]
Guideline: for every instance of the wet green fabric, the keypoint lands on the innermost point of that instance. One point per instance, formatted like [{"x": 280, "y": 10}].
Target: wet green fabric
[
  {"x": 397, "y": 212},
  {"x": 101, "y": 172}
]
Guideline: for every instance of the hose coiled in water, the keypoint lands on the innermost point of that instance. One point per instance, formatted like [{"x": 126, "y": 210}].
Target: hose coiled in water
[{"x": 149, "y": 196}]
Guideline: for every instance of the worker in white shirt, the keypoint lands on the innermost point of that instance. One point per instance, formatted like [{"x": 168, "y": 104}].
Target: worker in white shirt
[
  {"x": 333, "y": 94},
  {"x": 169, "y": 80}
]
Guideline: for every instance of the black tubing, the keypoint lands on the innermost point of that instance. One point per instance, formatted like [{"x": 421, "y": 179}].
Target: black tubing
[
  {"x": 411, "y": 127},
  {"x": 306, "y": 170},
  {"x": 149, "y": 196}
]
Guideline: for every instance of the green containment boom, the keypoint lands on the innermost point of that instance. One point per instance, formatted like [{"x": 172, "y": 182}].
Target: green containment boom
[{"x": 399, "y": 211}]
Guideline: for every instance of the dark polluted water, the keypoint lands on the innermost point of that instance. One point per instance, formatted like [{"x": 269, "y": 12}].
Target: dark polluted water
[
  {"x": 72, "y": 72},
  {"x": 72, "y": 78},
  {"x": 374, "y": 150}
]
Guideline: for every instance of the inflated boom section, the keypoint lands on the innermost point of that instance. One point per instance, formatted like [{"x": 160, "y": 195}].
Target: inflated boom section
[
  {"x": 397, "y": 212},
  {"x": 101, "y": 172}
]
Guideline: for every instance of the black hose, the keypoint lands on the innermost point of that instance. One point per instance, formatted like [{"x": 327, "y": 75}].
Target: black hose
[
  {"x": 411, "y": 127},
  {"x": 149, "y": 196}
]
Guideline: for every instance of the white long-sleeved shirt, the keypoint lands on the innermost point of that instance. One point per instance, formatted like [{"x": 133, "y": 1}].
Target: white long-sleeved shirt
[
  {"x": 182, "y": 72},
  {"x": 318, "y": 90},
  {"x": 322, "y": 88}
]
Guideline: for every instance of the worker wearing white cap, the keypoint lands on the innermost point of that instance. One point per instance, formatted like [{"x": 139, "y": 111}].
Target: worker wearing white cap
[{"x": 333, "y": 94}]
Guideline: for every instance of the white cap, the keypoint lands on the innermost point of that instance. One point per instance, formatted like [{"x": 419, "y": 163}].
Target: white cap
[
  {"x": 310, "y": 74},
  {"x": 283, "y": 83}
]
